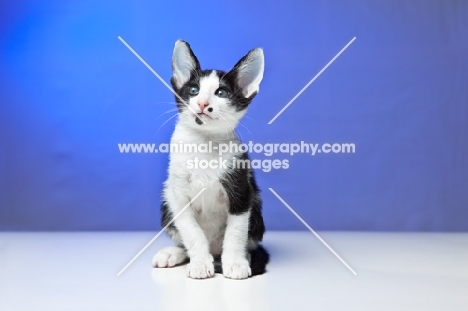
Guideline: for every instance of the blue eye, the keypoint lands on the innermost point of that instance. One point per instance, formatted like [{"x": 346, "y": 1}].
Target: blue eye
[
  {"x": 222, "y": 93},
  {"x": 193, "y": 90}
]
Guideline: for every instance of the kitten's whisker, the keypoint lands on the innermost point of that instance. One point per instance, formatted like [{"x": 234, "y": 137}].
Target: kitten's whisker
[
  {"x": 240, "y": 123},
  {"x": 229, "y": 124},
  {"x": 166, "y": 112},
  {"x": 251, "y": 135},
  {"x": 175, "y": 115},
  {"x": 249, "y": 118}
]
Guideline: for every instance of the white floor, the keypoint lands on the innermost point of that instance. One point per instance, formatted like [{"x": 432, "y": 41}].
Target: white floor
[{"x": 78, "y": 271}]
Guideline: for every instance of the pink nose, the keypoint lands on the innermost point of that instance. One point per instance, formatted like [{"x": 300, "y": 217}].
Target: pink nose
[{"x": 203, "y": 104}]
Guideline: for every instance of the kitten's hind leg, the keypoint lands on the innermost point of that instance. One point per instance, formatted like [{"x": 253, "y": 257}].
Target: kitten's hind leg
[{"x": 169, "y": 257}]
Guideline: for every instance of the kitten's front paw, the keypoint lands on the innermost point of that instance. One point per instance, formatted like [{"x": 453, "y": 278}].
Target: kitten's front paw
[
  {"x": 200, "y": 269},
  {"x": 237, "y": 269},
  {"x": 169, "y": 257}
]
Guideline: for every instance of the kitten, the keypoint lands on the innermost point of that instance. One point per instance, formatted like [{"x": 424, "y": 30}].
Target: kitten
[{"x": 224, "y": 225}]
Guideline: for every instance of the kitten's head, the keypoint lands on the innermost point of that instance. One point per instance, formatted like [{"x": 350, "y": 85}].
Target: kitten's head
[{"x": 213, "y": 101}]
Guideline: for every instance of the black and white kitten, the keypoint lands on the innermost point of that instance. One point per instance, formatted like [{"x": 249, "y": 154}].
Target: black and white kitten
[{"x": 225, "y": 222}]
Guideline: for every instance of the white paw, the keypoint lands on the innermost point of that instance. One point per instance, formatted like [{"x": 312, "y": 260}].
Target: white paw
[
  {"x": 169, "y": 257},
  {"x": 237, "y": 269},
  {"x": 200, "y": 269}
]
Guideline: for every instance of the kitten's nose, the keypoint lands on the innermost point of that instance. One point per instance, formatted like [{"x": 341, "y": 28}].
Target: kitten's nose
[{"x": 203, "y": 104}]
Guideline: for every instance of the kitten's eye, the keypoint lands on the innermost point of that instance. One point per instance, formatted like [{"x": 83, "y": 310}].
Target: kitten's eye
[
  {"x": 222, "y": 93},
  {"x": 194, "y": 90}
]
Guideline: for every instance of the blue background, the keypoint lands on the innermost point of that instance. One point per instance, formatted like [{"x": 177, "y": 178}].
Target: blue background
[{"x": 71, "y": 91}]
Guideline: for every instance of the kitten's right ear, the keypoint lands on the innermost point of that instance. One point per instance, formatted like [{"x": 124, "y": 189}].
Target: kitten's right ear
[
  {"x": 183, "y": 63},
  {"x": 249, "y": 72}
]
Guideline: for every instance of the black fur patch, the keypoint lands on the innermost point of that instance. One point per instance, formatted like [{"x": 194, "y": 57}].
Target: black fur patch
[
  {"x": 166, "y": 217},
  {"x": 198, "y": 121},
  {"x": 259, "y": 258},
  {"x": 237, "y": 186},
  {"x": 243, "y": 195}
]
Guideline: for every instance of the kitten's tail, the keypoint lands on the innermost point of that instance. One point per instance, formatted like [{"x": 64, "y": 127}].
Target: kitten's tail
[{"x": 259, "y": 258}]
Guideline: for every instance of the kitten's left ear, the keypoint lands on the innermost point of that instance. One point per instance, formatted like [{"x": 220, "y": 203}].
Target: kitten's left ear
[{"x": 248, "y": 72}]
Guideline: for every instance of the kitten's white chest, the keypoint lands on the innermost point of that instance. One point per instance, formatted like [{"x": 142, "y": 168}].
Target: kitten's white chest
[{"x": 211, "y": 207}]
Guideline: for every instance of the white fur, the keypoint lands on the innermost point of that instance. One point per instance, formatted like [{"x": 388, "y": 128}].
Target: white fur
[
  {"x": 234, "y": 259},
  {"x": 202, "y": 226},
  {"x": 209, "y": 211},
  {"x": 169, "y": 257}
]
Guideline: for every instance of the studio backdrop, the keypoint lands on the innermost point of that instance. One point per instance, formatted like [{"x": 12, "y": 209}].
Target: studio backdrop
[{"x": 389, "y": 114}]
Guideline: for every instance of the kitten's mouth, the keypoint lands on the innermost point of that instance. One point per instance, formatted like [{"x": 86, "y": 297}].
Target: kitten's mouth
[
  {"x": 201, "y": 117},
  {"x": 204, "y": 115}
]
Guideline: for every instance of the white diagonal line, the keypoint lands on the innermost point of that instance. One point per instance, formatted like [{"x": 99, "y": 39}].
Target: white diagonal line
[
  {"x": 160, "y": 232},
  {"x": 159, "y": 77},
  {"x": 313, "y": 231},
  {"x": 310, "y": 82}
]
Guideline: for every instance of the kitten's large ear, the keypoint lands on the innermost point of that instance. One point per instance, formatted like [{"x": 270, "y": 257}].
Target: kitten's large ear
[
  {"x": 183, "y": 63},
  {"x": 249, "y": 72}
]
